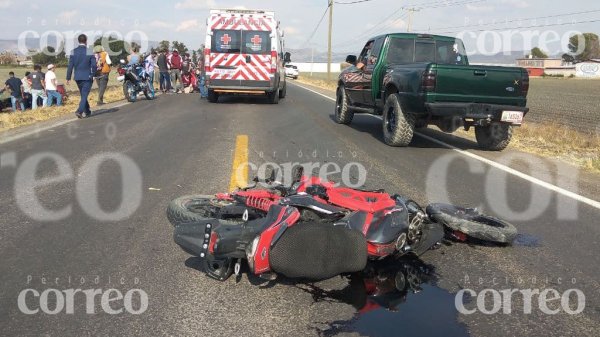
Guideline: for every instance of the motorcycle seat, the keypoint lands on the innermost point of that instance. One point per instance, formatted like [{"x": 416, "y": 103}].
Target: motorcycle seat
[{"x": 318, "y": 251}]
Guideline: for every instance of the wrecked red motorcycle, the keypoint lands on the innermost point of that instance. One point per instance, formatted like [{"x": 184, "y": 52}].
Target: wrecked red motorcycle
[{"x": 310, "y": 230}]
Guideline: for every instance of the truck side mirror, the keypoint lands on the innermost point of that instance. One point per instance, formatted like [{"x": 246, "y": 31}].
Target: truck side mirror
[
  {"x": 351, "y": 59},
  {"x": 287, "y": 57}
]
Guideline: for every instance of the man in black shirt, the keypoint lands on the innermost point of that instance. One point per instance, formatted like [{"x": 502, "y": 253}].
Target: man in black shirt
[
  {"x": 163, "y": 67},
  {"x": 16, "y": 88},
  {"x": 38, "y": 89}
]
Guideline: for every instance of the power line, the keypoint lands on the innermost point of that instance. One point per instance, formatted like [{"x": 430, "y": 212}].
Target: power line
[
  {"x": 520, "y": 19},
  {"x": 316, "y": 27},
  {"x": 352, "y": 2},
  {"x": 385, "y": 24},
  {"x": 532, "y": 26}
]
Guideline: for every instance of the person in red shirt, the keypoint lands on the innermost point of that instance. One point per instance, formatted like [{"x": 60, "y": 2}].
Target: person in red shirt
[{"x": 175, "y": 64}]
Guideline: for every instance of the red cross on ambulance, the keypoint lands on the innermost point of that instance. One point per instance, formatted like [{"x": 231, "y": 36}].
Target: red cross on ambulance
[
  {"x": 256, "y": 40},
  {"x": 226, "y": 39}
]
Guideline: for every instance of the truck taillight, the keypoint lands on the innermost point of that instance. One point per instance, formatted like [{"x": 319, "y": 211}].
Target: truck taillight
[
  {"x": 429, "y": 80},
  {"x": 213, "y": 240},
  {"x": 273, "y": 62},
  {"x": 525, "y": 84},
  {"x": 207, "y": 67}
]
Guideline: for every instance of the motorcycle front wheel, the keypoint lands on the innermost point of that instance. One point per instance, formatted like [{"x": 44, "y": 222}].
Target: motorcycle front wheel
[
  {"x": 473, "y": 223},
  {"x": 149, "y": 91},
  {"x": 129, "y": 91}
]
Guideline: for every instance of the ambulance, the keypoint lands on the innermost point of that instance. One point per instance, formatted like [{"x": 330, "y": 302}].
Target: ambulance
[{"x": 244, "y": 54}]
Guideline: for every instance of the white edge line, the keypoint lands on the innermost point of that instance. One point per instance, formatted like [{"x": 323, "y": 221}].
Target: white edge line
[
  {"x": 494, "y": 164},
  {"x": 48, "y": 127}
]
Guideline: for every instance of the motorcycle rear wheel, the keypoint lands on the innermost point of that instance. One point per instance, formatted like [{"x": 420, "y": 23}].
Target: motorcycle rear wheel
[
  {"x": 193, "y": 208},
  {"x": 473, "y": 223}
]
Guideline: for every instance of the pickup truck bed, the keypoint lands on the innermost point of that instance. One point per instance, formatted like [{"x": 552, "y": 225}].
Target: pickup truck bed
[{"x": 418, "y": 80}]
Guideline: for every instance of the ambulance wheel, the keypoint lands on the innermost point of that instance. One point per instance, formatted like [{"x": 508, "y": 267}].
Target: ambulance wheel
[
  {"x": 274, "y": 96},
  {"x": 283, "y": 91},
  {"x": 213, "y": 97}
]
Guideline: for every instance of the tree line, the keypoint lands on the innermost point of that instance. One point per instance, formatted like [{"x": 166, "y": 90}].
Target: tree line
[
  {"x": 49, "y": 55},
  {"x": 590, "y": 50}
]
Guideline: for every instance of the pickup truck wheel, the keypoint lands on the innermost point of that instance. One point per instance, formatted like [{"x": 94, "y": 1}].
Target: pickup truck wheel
[
  {"x": 398, "y": 126},
  {"x": 494, "y": 137},
  {"x": 343, "y": 115}
]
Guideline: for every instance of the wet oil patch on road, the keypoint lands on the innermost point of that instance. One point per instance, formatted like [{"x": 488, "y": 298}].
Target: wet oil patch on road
[
  {"x": 527, "y": 240},
  {"x": 393, "y": 299}
]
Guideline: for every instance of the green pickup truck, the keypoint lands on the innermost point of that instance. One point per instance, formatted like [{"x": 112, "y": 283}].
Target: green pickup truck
[{"x": 416, "y": 80}]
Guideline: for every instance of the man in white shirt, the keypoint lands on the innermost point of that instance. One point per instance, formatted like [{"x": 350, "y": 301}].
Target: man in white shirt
[
  {"x": 26, "y": 91},
  {"x": 51, "y": 87}
]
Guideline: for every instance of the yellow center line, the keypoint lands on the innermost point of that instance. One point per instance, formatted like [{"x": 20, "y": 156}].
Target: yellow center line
[{"x": 239, "y": 171}]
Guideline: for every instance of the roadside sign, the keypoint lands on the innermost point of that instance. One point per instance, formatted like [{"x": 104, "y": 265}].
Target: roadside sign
[{"x": 588, "y": 69}]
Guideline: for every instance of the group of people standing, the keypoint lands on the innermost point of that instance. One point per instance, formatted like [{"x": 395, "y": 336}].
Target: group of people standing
[
  {"x": 36, "y": 86},
  {"x": 177, "y": 73}
]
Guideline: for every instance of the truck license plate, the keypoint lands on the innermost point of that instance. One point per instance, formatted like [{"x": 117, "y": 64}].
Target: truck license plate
[{"x": 513, "y": 117}]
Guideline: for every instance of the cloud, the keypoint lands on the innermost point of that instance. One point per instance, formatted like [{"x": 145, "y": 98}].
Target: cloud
[
  {"x": 516, "y": 3},
  {"x": 187, "y": 25},
  {"x": 196, "y": 4},
  {"x": 398, "y": 24},
  {"x": 34, "y": 7},
  {"x": 291, "y": 31},
  {"x": 160, "y": 24},
  {"x": 474, "y": 8},
  {"x": 5, "y": 3},
  {"x": 67, "y": 15}
]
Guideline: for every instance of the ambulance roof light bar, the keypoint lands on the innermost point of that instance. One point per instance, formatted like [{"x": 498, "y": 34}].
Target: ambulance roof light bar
[{"x": 242, "y": 11}]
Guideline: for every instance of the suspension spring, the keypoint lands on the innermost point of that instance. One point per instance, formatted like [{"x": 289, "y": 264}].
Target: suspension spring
[{"x": 260, "y": 203}]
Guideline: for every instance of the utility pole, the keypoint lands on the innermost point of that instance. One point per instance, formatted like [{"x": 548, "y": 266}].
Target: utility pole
[
  {"x": 329, "y": 40},
  {"x": 410, "y": 11},
  {"x": 312, "y": 59}
]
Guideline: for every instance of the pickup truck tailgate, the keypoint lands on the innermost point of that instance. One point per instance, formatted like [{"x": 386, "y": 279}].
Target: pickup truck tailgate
[{"x": 479, "y": 84}]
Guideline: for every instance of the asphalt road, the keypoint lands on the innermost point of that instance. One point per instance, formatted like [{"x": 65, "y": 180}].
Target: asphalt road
[{"x": 180, "y": 145}]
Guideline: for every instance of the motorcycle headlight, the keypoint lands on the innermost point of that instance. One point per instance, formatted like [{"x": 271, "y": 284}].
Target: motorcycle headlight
[{"x": 251, "y": 251}]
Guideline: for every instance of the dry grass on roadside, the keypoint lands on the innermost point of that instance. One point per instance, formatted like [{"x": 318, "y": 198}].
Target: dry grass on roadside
[
  {"x": 319, "y": 81},
  {"x": 9, "y": 120},
  {"x": 556, "y": 141}
]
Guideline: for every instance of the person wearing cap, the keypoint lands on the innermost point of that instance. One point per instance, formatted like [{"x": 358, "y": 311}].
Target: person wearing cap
[
  {"x": 103, "y": 63},
  {"x": 51, "y": 87},
  {"x": 38, "y": 89}
]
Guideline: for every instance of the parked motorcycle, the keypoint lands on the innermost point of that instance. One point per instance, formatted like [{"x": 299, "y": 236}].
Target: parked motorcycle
[{"x": 135, "y": 80}]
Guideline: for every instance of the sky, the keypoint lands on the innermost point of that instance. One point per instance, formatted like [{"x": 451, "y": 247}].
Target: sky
[{"x": 185, "y": 20}]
